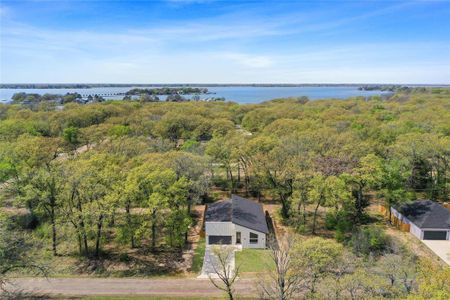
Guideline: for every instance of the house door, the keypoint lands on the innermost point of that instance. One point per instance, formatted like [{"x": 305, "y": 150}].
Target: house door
[{"x": 238, "y": 237}]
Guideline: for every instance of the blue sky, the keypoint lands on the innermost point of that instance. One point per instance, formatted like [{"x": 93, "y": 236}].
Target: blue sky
[{"x": 188, "y": 41}]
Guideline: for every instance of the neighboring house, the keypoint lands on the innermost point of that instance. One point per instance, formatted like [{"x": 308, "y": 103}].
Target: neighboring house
[
  {"x": 427, "y": 220},
  {"x": 236, "y": 221}
]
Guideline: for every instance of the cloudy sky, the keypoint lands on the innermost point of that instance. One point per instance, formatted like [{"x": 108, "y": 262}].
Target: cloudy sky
[{"x": 182, "y": 41}]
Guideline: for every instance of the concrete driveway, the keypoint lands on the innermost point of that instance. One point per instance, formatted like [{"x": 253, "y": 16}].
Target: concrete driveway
[
  {"x": 211, "y": 262},
  {"x": 441, "y": 248}
]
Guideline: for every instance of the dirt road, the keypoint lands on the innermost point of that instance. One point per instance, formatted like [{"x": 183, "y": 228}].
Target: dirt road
[{"x": 120, "y": 286}]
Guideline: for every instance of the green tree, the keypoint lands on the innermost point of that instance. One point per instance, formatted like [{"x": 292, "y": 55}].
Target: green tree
[
  {"x": 14, "y": 251},
  {"x": 393, "y": 184},
  {"x": 328, "y": 191},
  {"x": 90, "y": 199},
  {"x": 362, "y": 178},
  {"x": 315, "y": 259},
  {"x": 368, "y": 240},
  {"x": 164, "y": 191},
  {"x": 433, "y": 282},
  {"x": 70, "y": 135},
  {"x": 38, "y": 182}
]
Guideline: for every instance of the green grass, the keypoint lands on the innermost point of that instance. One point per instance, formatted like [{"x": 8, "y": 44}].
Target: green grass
[
  {"x": 253, "y": 260},
  {"x": 199, "y": 254},
  {"x": 146, "y": 298},
  {"x": 153, "y": 298}
]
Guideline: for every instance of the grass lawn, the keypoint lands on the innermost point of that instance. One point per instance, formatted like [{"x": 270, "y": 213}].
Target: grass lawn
[
  {"x": 154, "y": 298},
  {"x": 146, "y": 298},
  {"x": 199, "y": 254},
  {"x": 253, "y": 260}
]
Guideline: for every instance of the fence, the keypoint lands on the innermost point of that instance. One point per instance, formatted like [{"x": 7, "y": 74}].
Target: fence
[{"x": 394, "y": 220}]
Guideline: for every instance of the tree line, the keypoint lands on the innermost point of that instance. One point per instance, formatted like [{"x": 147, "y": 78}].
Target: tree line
[
  {"x": 168, "y": 91},
  {"x": 129, "y": 172}
]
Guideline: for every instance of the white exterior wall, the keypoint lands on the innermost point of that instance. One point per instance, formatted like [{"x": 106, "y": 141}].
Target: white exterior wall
[
  {"x": 416, "y": 231},
  {"x": 245, "y": 237},
  {"x": 228, "y": 228},
  {"x": 219, "y": 228}
]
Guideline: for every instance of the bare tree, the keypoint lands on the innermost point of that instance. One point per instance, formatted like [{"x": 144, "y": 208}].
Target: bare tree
[
  {"x": 222, "y": 258},
  {"x": 282, "y": 282},
  {"x": 399, "y": 270},
  {"x": 14, "y": 254}
]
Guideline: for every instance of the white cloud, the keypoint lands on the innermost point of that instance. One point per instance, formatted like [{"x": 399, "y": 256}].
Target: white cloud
[
  {"x": 247, "y": 60},
  {"x": 227, "y": 48},
  {"x": 4, "y": 11}
]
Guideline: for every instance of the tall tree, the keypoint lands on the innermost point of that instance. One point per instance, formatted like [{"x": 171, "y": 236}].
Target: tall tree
[
  {"x": 38, "y": 181},
  {"x": 283, "y": 281},
  {"x": 393, "y": 184},
  {"x": 315, "y": 259},
  {"x": 365, "y": 176}
]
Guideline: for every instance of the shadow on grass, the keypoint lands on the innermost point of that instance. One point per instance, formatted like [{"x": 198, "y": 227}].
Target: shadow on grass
[{"x": 22, "y": 295}]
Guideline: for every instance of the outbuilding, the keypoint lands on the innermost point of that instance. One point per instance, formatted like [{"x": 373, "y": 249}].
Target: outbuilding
[
  {"x": 236, "y": 221},
  {"x": 427, "y": 220}
]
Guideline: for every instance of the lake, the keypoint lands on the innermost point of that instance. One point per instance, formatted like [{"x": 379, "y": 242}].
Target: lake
[{"x": 239, "y": 94}]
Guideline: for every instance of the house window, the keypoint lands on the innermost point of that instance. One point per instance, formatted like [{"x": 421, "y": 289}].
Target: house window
[
  {"x": 253, "y": 238},
  {"x": 238, "y": 237}
]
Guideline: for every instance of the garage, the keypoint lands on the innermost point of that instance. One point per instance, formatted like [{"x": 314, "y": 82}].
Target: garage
[
  {"x": 434, "y": 235},
  {"x": 219, "y": 239}
]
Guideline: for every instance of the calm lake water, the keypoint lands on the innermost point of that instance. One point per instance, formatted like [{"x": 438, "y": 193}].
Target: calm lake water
[{"x": 240, "y": 94}]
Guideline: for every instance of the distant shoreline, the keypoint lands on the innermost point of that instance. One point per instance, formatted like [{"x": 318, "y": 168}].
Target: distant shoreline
[{"x": 96, "y": 85}]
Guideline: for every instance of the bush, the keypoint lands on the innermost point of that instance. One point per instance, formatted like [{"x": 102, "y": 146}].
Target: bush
[
  {"x": 124, "y": 257},
  {"x": 70, "y": 135},
  {"x": 339, "y": 221},
  {"x": 190, "y": 145},
  {"x": 330, "y": 220},
  {"x": 339, "y": 235},
  {"x": 119, "y": 131},
  {"x": 302, "y": 229},
  {"x": 369, "y": 240},
  {"x": 43, "y": 231},
  {"x": 199, "y": 253}
]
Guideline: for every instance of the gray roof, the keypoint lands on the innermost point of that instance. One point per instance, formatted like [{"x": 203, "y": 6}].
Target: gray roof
[
  {"x": 239, "y": 211},
  {"x": 219, "y": 212},
  {"x": 426, "y": 214}
]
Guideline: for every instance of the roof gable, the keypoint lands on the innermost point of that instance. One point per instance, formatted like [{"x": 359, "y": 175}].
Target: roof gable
[
  {"x": 218, "y": 212},
  {"x": 248, "y": 214},
  {"x": 239, "y": 211}
]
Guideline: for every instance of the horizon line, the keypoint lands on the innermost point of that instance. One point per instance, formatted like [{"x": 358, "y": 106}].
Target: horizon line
[{"x": 220, "y": 84}]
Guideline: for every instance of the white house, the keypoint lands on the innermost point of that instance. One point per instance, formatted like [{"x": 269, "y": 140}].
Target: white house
[
  {"x": 428, "y": 220},
  {"x": 236, "y": 221}
]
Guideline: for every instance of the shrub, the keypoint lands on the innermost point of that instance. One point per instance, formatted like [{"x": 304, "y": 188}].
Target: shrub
[
  {"x": 369, "y": 240},
  {"x": 339, "y": 221},
  {"x": 330, "y": 220},
  {"x": 119, "y": 130},
  {"x": 302, "y": 229},
  {"x": 70, "y": 135}
]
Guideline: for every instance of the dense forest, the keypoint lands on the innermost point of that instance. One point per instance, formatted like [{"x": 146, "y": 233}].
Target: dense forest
[{"x": 126, "y": 174}]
